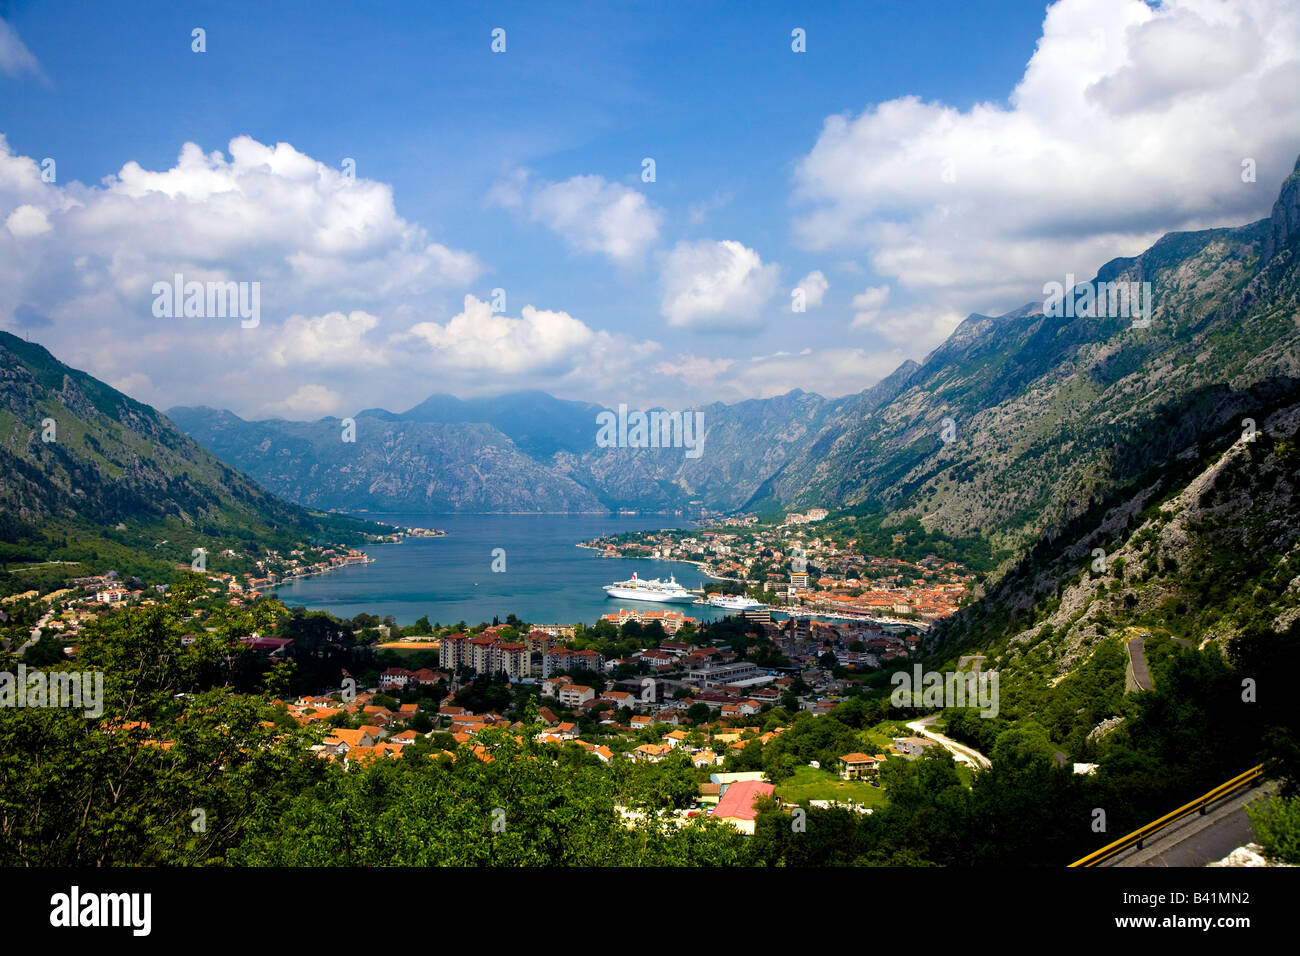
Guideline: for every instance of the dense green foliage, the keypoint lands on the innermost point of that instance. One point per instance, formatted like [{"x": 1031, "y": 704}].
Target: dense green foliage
[{"x": 1277, "y": 827}]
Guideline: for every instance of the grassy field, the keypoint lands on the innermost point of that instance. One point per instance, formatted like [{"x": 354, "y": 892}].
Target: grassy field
[
  {"x": 810, "y": 784},
  {"x": 880, "y": 742}
]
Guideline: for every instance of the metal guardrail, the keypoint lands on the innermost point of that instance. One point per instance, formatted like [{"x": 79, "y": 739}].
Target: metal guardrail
[{"x": 1201, "y": 803}]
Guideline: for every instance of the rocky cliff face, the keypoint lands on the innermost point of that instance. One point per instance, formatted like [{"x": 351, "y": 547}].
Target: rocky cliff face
[
  {"x": 744, "y": 444},
  {"x": 1018, "y": 424},
  {"x": 1284, "y": 224},
  {"x": 1205, "y": 545}
]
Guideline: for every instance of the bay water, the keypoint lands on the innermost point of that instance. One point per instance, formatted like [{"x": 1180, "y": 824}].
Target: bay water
[{"x": 546, "y": 578}]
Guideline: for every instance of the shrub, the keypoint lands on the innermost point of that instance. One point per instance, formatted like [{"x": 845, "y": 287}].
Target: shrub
[{"x": 1277, "y": 827}]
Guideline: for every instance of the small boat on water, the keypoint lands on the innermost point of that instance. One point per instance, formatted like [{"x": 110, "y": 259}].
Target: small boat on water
[{"x": 734, "y": 602}]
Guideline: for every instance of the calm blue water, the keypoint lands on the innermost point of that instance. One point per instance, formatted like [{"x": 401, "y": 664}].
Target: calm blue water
[{"x": 547, "y": 580}]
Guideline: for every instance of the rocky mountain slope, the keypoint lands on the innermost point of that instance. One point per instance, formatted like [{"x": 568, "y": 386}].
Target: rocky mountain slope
[
  {"x": 1201, "y": 548},
  {"x": 392, "y": 465},
  {"x": 1155, "y": 515},
  {"x": 80, "y": 457},
  {"x": 744, "y": 444},
  {"x": 1047, "y": 415}
]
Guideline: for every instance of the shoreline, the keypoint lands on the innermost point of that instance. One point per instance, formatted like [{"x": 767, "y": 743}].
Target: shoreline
[
  {"x": 524, "y": 514},
  {"x": 788, "y": 610},
  {"x": 311, "y": 574},
  {"x": 645, "y": 557}
]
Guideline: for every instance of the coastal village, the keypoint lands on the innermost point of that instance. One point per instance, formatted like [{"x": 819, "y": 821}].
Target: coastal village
[
  {"x": 700, "y": 705},
  {"x": 703, "y": 705},
  {"x": 775, "y": 561},
  {"x": 254, "y": 575},
  {"x": 85, "y": 598}
]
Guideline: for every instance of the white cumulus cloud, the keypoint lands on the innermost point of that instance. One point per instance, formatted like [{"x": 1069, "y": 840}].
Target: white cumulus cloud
[
  {"x": 310, "y": 235},
  {"x": 479, "y": 338},
  {"x": 1130, "y": 120},
  {"x": 329, "y": 254},
  {"x": 306, "y": 403},
  {"x": 26, "y": 221},
  {"x": 814, "y": 286},
  {"x": 590, "y": 213},
  {"x": 715, "y": 284},
  {"x": 330, "y": 339},
  {"x": 867, "y": 304}
]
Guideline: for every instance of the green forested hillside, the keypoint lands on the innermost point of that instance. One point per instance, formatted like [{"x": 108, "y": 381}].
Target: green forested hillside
[{"x": 92, "y": 475}]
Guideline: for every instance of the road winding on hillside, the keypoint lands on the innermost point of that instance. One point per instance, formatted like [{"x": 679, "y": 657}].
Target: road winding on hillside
[
  {"x": 959, "y": 751},
  {"x": 1137, "y": 676},
  {"x": 35, "y": 634}
]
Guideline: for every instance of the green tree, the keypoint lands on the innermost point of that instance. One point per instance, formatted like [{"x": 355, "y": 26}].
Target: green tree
[{"x": 48, "y": 650}]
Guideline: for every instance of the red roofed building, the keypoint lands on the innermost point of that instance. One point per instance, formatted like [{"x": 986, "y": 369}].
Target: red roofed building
[
  {"x": 395, "y": 677},
  {"x": 737, "y": 804},
  {"x": 564, "y": 659}
]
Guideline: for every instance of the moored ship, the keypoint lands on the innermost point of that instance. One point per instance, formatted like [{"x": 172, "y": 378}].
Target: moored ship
[{"x": 655, "y": 590}]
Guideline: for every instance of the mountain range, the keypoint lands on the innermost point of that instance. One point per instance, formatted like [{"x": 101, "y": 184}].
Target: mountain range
[
  {"x": 1044, "y": 411},
  {"x": 519, "y": 452},
  {"x": 1049, "y": 439}
]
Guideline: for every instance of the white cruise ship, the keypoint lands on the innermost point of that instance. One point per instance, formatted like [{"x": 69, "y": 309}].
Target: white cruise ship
[
  {"x": 734, "y": 602},
  {"x": 660, "y": 592}
]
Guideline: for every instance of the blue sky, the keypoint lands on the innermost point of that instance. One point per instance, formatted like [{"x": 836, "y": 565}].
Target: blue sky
[{"x": 919, "y": 161}]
